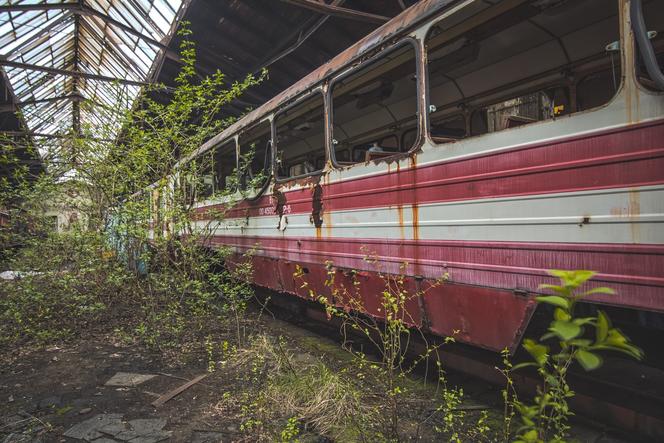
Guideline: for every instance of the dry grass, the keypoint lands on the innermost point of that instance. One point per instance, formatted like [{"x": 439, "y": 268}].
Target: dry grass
[{"x": 301, "y": 386}]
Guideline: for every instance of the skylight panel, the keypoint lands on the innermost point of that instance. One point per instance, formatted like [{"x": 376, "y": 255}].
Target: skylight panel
[{"x": 47, "y": 38}]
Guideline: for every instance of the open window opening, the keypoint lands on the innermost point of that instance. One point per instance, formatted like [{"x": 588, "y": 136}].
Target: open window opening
[
  {"x": 205, "y": 185},
  {"x": 301, "y": 138},
  {"x": 372, "y": 107},
  {"x": 225, "y": 167},
  {"x": 254, "y": 162},
  {"x": 522, "y": 67},
  {"x": 197, "y": 179},
  {"x": 383, "y": 147}
]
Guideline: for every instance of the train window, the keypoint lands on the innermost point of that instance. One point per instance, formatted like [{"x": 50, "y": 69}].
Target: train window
[
  {"x": 376, "y": 102},
  {"x": 653, "y": 15},
  {"x": 596, "y": 89},
  {"x": 383, "y": 147},
  {"x": 448, "y": 129},
  {"x": 205, "y": 176},
  {"x": 343, "y": 156},
  {"x": 254, "y": 162},
  {"x": 514, "y": 69},
  {"x": 301, "y": 138},
  {"x": 409, "y": 137},
  {"x": 197, "y": 178},
  {"x": 225, "y": 167}
]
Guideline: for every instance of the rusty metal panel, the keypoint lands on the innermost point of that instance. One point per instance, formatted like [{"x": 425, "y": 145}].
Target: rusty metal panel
[{"x": 486, "y": 317}]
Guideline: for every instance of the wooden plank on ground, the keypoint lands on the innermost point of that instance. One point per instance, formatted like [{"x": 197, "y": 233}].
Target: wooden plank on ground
[{"x": 177, "y": 391}]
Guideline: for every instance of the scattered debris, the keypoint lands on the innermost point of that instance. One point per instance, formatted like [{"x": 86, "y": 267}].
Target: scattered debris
[
  {"x": 169, "y": 395},
  {"x": 85, "y": 411},
  {"x": 89, "y": 429},
  {"x": 111, "y": 428},
  {"x": 128, "y": 379}
]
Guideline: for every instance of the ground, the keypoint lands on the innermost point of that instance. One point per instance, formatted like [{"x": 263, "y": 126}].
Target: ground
[{"x": 62, "y": 393}]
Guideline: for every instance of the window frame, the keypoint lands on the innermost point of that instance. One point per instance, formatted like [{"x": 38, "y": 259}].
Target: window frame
[
  {"x": 474, "y": 103},
  {"x": 235, "y": 139},
  {"x": 238, "y": 149},
  {"x": 405, "y": 41},
  {"x": 326, "y": 130}
]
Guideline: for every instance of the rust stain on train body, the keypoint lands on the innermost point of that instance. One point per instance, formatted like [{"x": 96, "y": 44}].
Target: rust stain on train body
[
  {"x": 416, "y": 222},
  {"x": 402, "y": 234},
  {"x": 634, "y": 212}
]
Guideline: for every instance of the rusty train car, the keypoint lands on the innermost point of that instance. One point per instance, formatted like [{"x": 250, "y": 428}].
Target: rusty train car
[{"x": 486, "y": 140}]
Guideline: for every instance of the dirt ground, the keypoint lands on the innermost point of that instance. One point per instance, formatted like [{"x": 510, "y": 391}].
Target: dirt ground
[{"x": 59, "y": 393}]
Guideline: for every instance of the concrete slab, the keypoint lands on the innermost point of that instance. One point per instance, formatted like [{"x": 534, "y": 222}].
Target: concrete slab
[
  {"x": 128, "y": 379},
  {"x": 144, "y": 426},
  {"x": 89, "y": 429}
]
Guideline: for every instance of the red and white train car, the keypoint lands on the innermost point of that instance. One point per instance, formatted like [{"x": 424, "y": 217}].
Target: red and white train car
[{"x": 486, "y": 140}]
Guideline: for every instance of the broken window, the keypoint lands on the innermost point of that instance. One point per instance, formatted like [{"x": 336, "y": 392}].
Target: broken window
[
  {"x": 205, "y": 176},
  {"x": 373, "y": 105},
  {"x": 255, "y": 152},
  {"x": 386, "y": 146},
  {"x": 448, "y": 129},
  {"x": 596, "y": 89},
  {"x": 225, "y": 167},
  {"x": 517, "y": 68},
  {"x": 301, "y": 138},
  {"x": 197, "y": 178}
]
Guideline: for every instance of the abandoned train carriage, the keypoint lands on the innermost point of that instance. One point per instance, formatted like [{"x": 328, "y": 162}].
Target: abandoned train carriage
[{"x": 488, "y": 140}]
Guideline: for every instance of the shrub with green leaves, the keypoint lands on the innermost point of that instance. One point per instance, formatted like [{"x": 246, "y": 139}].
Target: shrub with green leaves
[{"x": 570, "y": 338}]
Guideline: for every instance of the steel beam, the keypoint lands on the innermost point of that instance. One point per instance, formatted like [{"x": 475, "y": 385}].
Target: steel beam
[
  {"x": 76, "y": 74},
  {"x": 46, "y": 135},
  {"x": 338, "y": 11},
  {"x": 14, "y": 106}
]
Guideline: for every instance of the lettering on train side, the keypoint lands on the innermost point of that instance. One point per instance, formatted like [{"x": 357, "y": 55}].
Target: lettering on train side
[{"x": 270, "y": 210}]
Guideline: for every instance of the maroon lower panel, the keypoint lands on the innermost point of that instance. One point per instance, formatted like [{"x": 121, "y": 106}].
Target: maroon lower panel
[
  {"x": 635, "y": 272},
  {"x": 490, "y": 318}
]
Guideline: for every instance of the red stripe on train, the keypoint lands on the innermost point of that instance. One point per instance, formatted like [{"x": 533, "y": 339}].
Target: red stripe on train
[
  {"x": 631, "y": 156},
  {"x": 635, "y": 271}
]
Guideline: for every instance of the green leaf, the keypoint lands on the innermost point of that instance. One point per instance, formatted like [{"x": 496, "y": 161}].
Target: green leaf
[
  {"x": 602, "y": 327},
  {"x": 554, "y": 300},
  {"x": 617, "y": 340},
  {"x": 547, "y": 336},
  {"x": 554, "y": 288},
  {"x": 581, "y": 342},
  {"x": 600, "y": 290},
  {"x": 588, "y": 360},
  {"x": 565, "y": 330},
  {"x": 572, "y": 279},
  {"x": 584, "y": 321},
  {"x": 537, "y": 351},
  {"x": 560, "y": 314},
  {"x": 523, "y": 365}
]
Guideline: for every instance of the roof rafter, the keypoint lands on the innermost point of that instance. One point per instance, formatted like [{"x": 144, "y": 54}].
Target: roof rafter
[
  {"x": 338, "y": 11},
  {"x": 70, "y": 73},
  {"x": 14, "y": 106}
]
